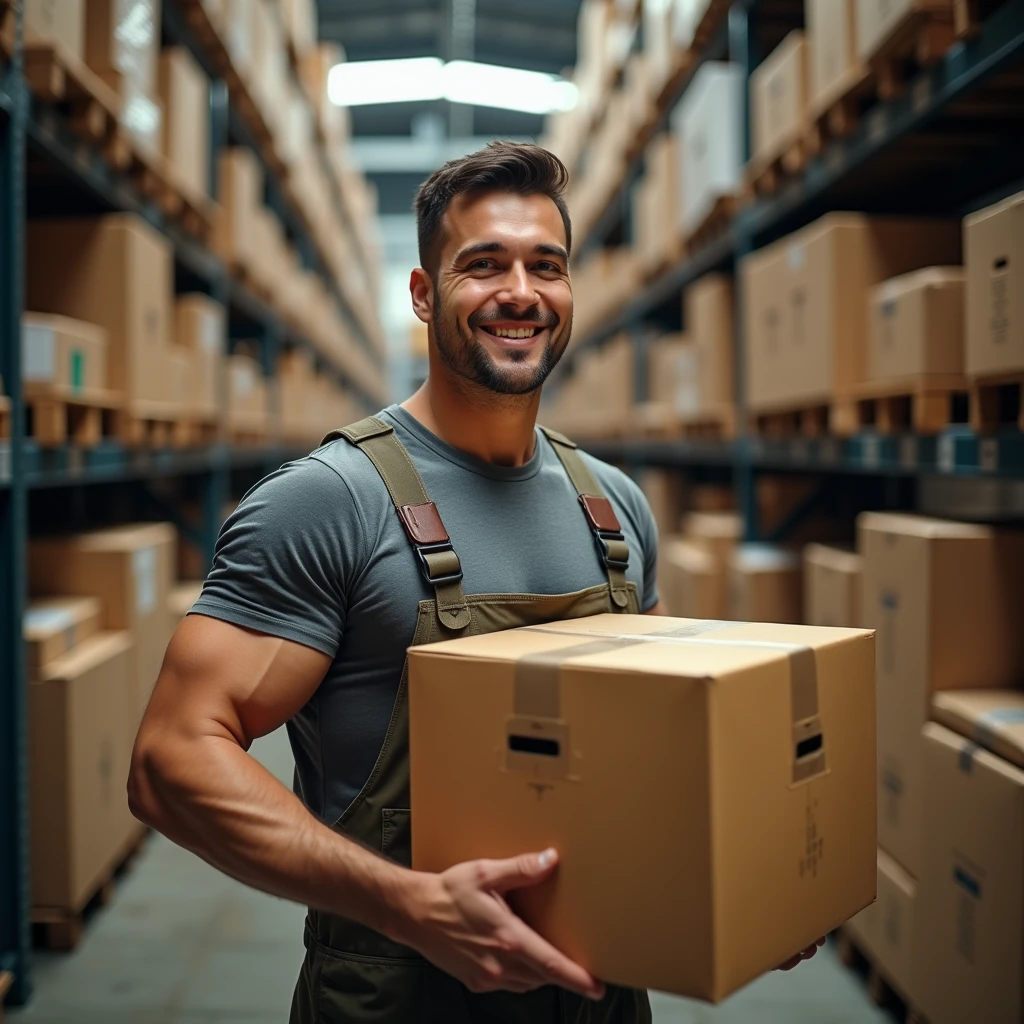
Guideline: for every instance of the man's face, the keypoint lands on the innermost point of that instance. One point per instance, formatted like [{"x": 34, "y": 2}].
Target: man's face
[{"x": 502, "y": 311}]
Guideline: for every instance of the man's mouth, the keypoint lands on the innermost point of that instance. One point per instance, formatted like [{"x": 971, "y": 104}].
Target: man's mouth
[{"x": 513, "y": 333}]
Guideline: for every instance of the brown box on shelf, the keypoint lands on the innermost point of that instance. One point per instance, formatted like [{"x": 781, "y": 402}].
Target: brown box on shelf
[
  {"x": 779, "y": 89},
  {"x": 970, "y": 892},
  {"x": 59, "y": 352},
  {"x": 832, "y": 50},
  {"x": 994, "y": 719},
  {"x": 237, "y": 19},
  {"x": 994, "y": 262},
  {"x": 927, "y": 585},
  {"x": 122, "y": 41},
  {"x": 199, "y": 329},
  {"x": 832, "y": 580},
  {"x": 178, "y": 363},
  {"x": 708, "y": 316},
  {"x": 79, "y": 822},
  {"x": 806, "y": 302},
  {"x": 55, "y": 625},
  {"x": 241, "y": 197},
  {"x": 538, "y": 736},
  {"x": 665, "y": 491},
  {"x": 142, "y": 115},
  {"x": 295, "y": 378},
  {"x": 672, "y": 373},
  {"x": 57, "y": 23},
  {"x": 765, "y": 584},
  {"x": 877, "y": 21},
  {"x": 185, "y": 95},
  {"x": 690, "y": 580},
  {"x": 115, "y": 272},
  {"x": 129, "y": 569},
  {"x": 917, "y": 325},
  {"x": 717, "y": 532},
  {"x": 247, "y": 410}
]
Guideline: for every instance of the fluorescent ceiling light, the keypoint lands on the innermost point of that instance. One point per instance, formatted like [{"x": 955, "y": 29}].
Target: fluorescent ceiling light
[{"x": 420, "y": 79}]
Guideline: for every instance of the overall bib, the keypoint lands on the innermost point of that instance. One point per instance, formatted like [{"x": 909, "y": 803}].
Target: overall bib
[{"x": 352, "y": 974}]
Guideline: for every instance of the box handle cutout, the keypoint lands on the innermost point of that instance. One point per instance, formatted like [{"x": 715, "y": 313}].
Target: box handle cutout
[
  {"x": 1001, "y": 264},
  {"x": 811, "y": 745},
  {"x": 534, "y": 745}
]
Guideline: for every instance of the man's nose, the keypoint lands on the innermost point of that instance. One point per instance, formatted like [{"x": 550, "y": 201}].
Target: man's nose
[{"x": 517, "y": 289}]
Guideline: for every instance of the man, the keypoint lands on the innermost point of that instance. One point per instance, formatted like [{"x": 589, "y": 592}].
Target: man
[{"x": 450, "y": 515}]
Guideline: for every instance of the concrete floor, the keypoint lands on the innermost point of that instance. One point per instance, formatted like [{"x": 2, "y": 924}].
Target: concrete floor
[{"x": 183, "y": 944}]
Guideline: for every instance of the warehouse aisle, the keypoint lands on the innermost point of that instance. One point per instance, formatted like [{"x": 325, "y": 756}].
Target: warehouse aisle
[{"x": 183, "y": 944}]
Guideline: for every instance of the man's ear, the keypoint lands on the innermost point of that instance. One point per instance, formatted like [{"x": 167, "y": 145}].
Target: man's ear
[{"x": 421, "y": 289}]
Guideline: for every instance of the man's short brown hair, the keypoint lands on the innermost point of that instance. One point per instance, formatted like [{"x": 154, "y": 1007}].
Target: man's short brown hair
[{"x": 517, "y": 167}]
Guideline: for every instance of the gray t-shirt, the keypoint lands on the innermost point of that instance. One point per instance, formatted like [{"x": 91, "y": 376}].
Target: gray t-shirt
[{"x": 316, "y": 554}]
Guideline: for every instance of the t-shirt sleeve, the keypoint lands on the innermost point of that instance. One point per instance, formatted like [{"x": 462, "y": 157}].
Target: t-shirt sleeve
[{"x": 285, "y": 556}]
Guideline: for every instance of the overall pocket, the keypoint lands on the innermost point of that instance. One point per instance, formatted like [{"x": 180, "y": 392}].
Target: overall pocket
[{"x": 396, "y": 834}]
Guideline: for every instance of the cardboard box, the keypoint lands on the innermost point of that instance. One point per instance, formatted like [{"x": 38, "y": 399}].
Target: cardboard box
[
  {"x": 59, "y": 352},
  {"x": 200, "y": 329},
  {"x": 994, "y": 261},
  {"x": 993, "y": 719},
  {"x": 540, "y": 730},
  {"x": 665, "y": 491},
  {"x": 185, "y": 95},
  {"x": 832, "y": 46},
  {"x": 917, "y": 325},
  {"x": 779, "y": 91},
  {"x": 142, "y": 115},
  {"x": 122, "y": 41},
  {"x": 765, "y": 584},
  {"x": 716, "y": 532},
  {"x": 805, "y": 308},
  {"x": 78, "y": 804},
  {"x": 54, "y": 626},
  {"x": 832, "y": 579},
  {"x": 241, "y": 197},
  {"x": 877, "y": 21},
  {"x": 60, "y": 23},
  {"x": 239, "y": 36},
  {"x": 927, "y": 585},
  {"x": 247, "y": 410},
  {"x": 129, "y": 568},
  {"x": 708, "y": 124},
  {"x": 179, "y": 363},
  {"x": 971, "y": 888},
  {"x": 707, "y": 314},
  {"x": 115, "y": 272},
  {"x": 690, "y": 580}
]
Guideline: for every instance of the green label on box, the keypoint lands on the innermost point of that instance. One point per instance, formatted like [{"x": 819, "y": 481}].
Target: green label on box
[{"x": 77, "y": 369}]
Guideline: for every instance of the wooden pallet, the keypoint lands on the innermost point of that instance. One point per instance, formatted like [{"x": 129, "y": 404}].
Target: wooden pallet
[
  {"x": 714, "y": 225},
  {"x": 881, "y": 991},
  {"x": 194, "y": 433},
  {"x": 921, "y": 38},
  {"x": 661, "y": 420},
  {"x": 6, "y": 981},
  {"x": 58, "y": 415},
  {"x": 148, "y": 425},
  {"x": 838, "y": 113},
  {"x": 247, "y": 437},
  {"x": 969, "y": 14},
  {"x": 766, "y": 174},
  {"x": 61, "y": 928},
  {"x": 922, "y": 405},
  {"x": 837, "y": 418},
  {"x": 997, "y": 402}
]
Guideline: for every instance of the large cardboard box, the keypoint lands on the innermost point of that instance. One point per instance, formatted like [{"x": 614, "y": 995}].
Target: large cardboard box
[
  {"x": 708, "y": 124},
  {"x": 877, "y": 21},
  {"x": 241, "y": 196},
  {"x": 832, "y": 579},
  {"x": 247, "y": 408},
  {"x": 778, "y": 98},
  {"x": 78, "y": 803},
  {"x": 56, "y": 22},
  {"x": 917, "y": 325},
  {"x": 200, "y": 329},
  {"x": 708, "y": 317},
  {"x": 805, "y": 309},
  {"x": 994, "y": 261},
  {"x": 58, "y": 352},
  {"x": 115, "y": 272},
  {"x": 971, "y": 888},
  {"x": 129, "y": 568},
  {"x": 691, "y": 580},
  {"x": 994, "y": 719},
  {"x": 55, "y": 625},
  {"x": 185, "y": 94},
  {"x": 716, "y": 532},
  {"x": 765, "y": 584},
  {"x": 927, "y": 585},
  {"x": 832, "y": 47},
  {"x": 122, "y": 41},
  {"x": 750, "y": 745}
]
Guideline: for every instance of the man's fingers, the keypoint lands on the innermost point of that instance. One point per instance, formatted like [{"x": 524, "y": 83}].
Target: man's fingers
[
  {"x": 517, "y": 872},
  {"x": 555, "y": 967}
]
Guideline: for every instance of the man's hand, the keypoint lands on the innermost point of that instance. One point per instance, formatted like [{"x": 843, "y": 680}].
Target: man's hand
[
  {"x": 804, "y": 954},
  {"x": 459, "y": 920}
]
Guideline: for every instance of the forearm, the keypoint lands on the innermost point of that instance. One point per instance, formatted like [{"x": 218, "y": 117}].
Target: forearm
[{"x": 208, "y": 794}]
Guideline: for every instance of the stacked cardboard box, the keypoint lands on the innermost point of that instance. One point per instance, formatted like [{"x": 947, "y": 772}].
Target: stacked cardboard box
[
  {"x": 765, "y": 584},
  {"x": 61, "y": 25},
  {"x": 655, "y": 206},
  {"x": 708, "y": 315},
  {"x": 597, "y": 400},
  {"x": 248, "y": 407},
  {"x": 200, "y": 333},
  {"x": 835, "y": 68},
  {"x": 61, "y": 355},
  {"x": 832, "y": 582},
  {"x": 185, "y": 95},
  {"x": 779, "y": 94}
]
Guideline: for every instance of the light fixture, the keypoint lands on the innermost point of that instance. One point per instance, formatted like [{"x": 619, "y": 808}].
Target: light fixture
[{"x": 420, "y": 79}]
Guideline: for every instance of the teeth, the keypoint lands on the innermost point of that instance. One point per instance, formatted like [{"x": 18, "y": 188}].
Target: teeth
[{"x": 515, "y": 332}]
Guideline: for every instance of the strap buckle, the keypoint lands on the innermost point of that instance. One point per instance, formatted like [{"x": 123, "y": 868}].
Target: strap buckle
[
  {"x": 601, "y": 538},
  {"x": 422, "y": 550}
]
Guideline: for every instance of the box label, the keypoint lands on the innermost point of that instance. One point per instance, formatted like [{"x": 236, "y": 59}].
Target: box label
[
  {"x": 38, "y": 352},
  {"x": 208, "y": 335},
  {"x": 144, "y": 569},
  {"x": 76, "y": 369},
  {"x": 50, "y": 620}
]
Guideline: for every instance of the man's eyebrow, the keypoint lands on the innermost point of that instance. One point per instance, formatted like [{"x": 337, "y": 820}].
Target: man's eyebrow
[
  {"x": 475, "y": 250},
  {"x": 546, "y": 249}
]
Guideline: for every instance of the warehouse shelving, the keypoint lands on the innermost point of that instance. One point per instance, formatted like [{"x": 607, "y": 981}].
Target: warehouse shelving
[
  {"x": 949, "y": 144},
  {"x": 69, "y": 177}
]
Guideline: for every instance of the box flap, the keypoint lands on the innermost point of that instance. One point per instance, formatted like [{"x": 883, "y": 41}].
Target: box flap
[
  {"x": 993, "y": 719},
  {"x": 47, "y": 617},
  {"x": 86, "y": 656}
]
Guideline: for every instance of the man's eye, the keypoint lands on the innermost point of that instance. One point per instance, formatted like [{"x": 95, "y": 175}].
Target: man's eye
[
  {"x": 548, "y": 268},
  {"x": 481, "y": 265}
]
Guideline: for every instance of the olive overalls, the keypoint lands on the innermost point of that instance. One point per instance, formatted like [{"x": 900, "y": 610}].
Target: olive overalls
[{"x": 351, "y": 974}]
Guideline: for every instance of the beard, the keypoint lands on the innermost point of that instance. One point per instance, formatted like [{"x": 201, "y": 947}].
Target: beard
[{"x": 466, "y": 357}]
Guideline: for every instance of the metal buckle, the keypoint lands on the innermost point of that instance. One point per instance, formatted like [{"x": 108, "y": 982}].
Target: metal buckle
[
  {"x": 422, "y": 550},
  {"x": 601, "y": 538}
]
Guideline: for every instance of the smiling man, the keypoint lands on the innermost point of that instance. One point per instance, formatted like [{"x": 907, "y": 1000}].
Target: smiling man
[{"x": 450, "y": 515}]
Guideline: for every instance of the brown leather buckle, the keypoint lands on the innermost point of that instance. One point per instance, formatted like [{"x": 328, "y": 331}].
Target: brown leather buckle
[
  {"x": 600, "y": 514},
  {"x": 423, "y": 524}
]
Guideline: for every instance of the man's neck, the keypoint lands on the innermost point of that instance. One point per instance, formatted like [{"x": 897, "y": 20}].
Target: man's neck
[{"x": 495, "y": 428}]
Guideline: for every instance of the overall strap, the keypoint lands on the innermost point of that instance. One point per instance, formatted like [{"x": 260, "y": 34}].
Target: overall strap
[
  {"x": 419, "y": 516},
  {"x": 611, "y": 544}
]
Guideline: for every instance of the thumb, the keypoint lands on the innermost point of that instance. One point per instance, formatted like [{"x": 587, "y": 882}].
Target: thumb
[{"x": 520, "y": 872}]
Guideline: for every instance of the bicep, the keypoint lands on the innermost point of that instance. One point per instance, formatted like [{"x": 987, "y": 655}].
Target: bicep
[{"x": 222, "y": 679}]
